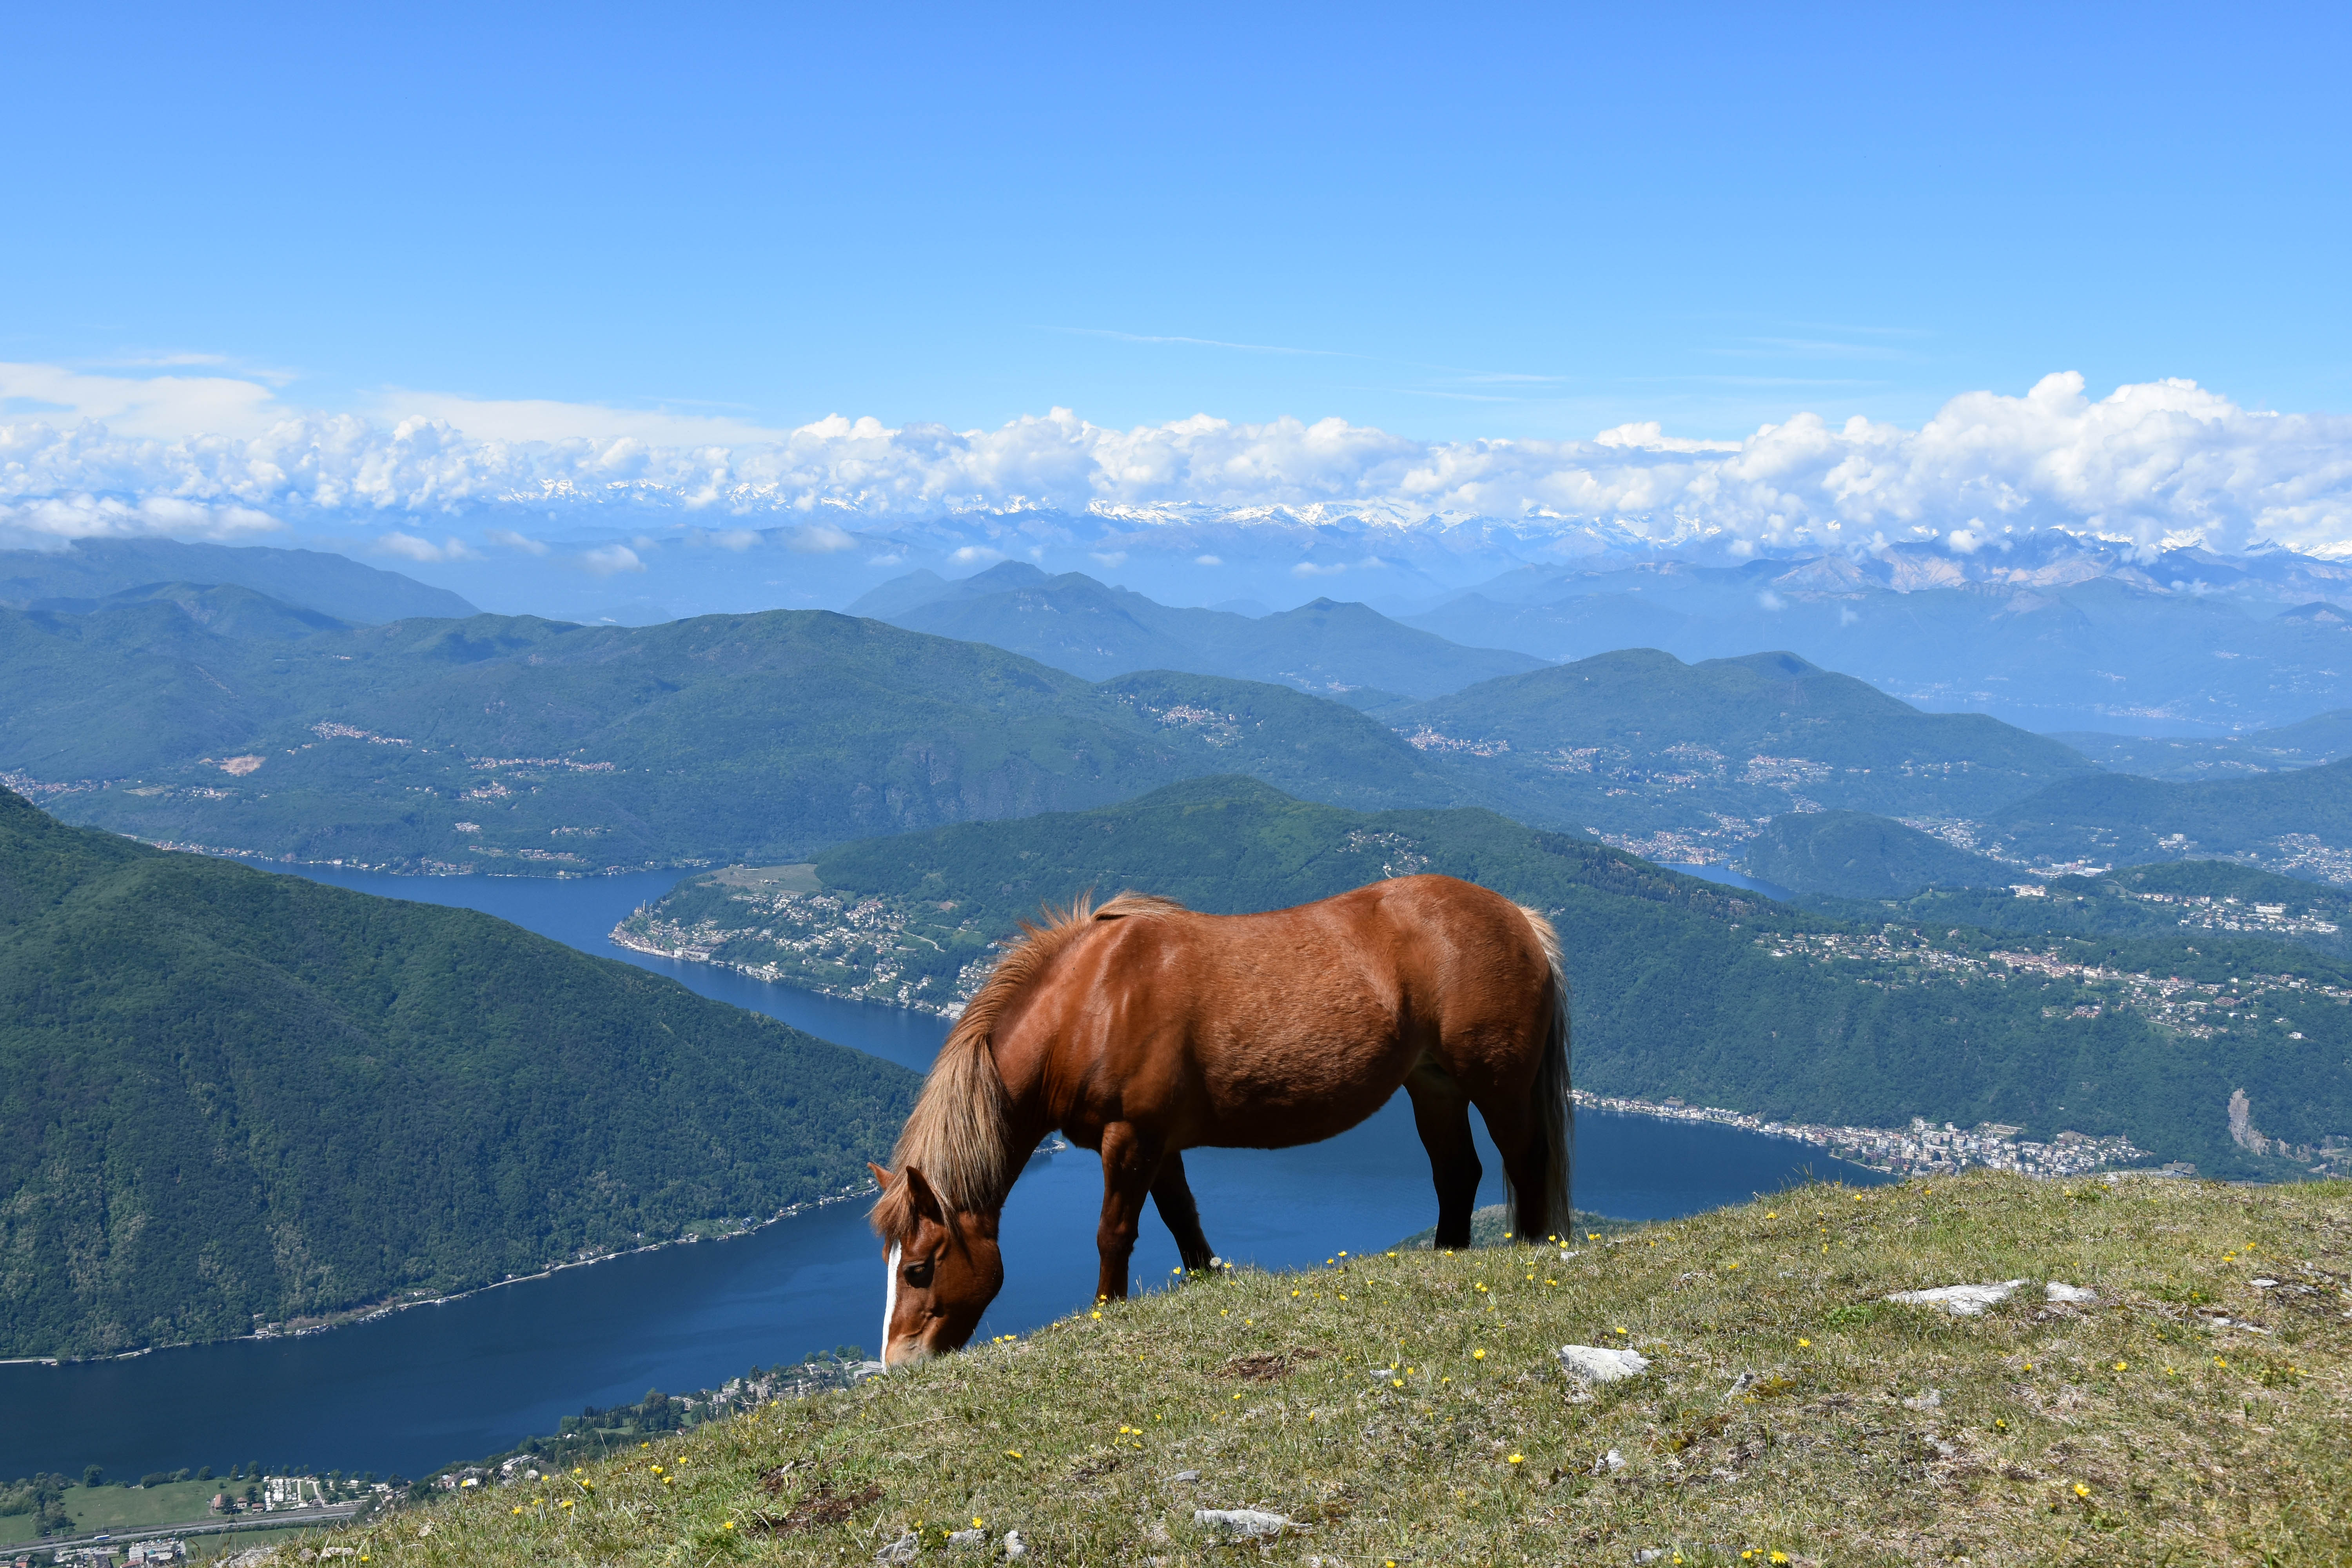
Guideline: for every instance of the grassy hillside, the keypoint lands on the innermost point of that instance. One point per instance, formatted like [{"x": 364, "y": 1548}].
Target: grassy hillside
[
  {"x": 1409, "y": 1407},
  {"x": 1637, "y": 741},
  {"x": 1681, "y": 987},
  {"x": 229, "y": 1098},
  {"x": 1854, "y": 855},
  {"x": 1075, "y": 622},
  {"x": 516, "y": 744}
]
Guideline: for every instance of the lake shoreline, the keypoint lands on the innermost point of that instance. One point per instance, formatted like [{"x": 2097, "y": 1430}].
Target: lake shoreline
[{"x": 376, "y": 1311}]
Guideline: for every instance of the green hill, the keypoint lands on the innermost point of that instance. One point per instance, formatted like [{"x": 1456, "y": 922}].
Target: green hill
[
  {"x": 1075, "y": 622},
  {"x": 229, "y": 1098},
  {"x": 1638, "y": 742},
  {"x": 1854, "y": 855},
  {"x": 2193, "y": 901},
  {"x": 1682, "y": 988},
  {"x": 2296, "y": 820},
  {"x": 1412, "y": 1407},
  {"x": 516, "y": 744}
]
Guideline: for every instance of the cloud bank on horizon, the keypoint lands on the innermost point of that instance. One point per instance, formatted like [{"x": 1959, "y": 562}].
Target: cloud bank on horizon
[{"x": 2157, "y": 463}]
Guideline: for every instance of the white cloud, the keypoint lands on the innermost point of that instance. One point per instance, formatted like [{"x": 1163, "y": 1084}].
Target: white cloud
[
  {"x": 1315, "y": 569},
  {"x": 1770, "y": 600},
  {"x": 169, "y": 408},
  {"x": 513, "y": 540},
  {"x": 2155, "y": 463},
  {"x": 819, "y": 539},
  {"x": 608, "y": 558},
  {"x": 1207, "y": 561},
  {"x": 409, "y": 547},
  {"x": 1113, "y": 558},
  {"x": 51, "y": 520},
  {"x": 976, "y": 555}
]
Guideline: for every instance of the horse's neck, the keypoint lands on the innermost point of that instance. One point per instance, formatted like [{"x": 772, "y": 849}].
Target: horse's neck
[{"x": 1030, "y": 1112}]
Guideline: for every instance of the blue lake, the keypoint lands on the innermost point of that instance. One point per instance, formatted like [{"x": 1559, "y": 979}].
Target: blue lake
[{"x": 469, "y": 1377}]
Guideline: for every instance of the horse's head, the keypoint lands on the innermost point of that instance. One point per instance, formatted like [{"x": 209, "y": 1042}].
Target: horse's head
[{"x": 944, "y": 1268}]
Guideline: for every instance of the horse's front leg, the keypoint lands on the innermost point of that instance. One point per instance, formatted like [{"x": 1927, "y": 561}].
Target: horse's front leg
[{"x": 1129, "y": 1163}]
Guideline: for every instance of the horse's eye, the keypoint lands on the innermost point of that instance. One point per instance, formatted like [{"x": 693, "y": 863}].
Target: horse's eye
[{"x": 917, "y": 1273}]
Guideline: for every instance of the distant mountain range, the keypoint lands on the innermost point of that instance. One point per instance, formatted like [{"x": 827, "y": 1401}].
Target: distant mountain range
[
  {"x": 204, "y": 717},
  {"x": 217, "y": 716},
  {"x": 229, "y": 1098},
  {"x": 1681, "y": 987},
  {"x": 87, "y": 571},
  {"x": 2322, "y": 738},
  {"x": 1075, "y": 622},
  {"x": 2052, "y": 633}
]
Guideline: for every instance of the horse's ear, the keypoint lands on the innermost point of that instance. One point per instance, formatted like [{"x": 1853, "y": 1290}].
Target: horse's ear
[
  {"x": 925, "y": 1201},
  {"x": 881, "y": 1176}
]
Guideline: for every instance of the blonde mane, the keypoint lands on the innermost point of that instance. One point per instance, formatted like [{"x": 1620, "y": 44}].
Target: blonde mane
[{"x": 956, "y": 1135}]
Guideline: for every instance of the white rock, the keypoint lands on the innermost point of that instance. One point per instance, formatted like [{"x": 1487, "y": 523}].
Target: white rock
[
  {"x": 1015, "y": 1547},
  {"x": 1600, "y": 1363},
  {"x": 2078, "y": 1294},
  {"x": 902, "y": 1549},
  {"x": 2264, "y": 1284},
  {"x": 1960, "y": 1300},
  {"x": 963, "y": 1540},
  {"x": 1185, "y": 1475},
  {"x": 1931, "y": 1400},
  {"x": 1609, "y": 1464},
  {"x": 1242, "y": 1523}
]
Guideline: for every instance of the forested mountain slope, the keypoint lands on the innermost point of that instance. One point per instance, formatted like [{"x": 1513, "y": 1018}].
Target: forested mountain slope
[
  {"x": 229, "y": 1098},
  {"x": 518, "y": 745},
  {"x": 1681, "y": 987},
  {"x": 1856, "y": 855},
  {"x": 2295, "y": 820}
]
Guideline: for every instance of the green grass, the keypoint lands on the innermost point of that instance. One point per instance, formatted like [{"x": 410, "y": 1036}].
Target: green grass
[
  {"x": 1773, "y": 1420},
  {"x": 125, "y": 1507}
]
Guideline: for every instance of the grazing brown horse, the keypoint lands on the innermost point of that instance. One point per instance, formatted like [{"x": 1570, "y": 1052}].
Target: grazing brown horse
[{"x": 1141, "y": 1029}]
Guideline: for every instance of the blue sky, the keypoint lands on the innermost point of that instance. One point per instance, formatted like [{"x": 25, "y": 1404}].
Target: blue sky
[{"x": 1447, "y": 224}]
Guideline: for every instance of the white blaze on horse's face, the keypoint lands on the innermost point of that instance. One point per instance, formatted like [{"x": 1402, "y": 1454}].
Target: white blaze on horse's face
[{"x": 889, "y": 1305}]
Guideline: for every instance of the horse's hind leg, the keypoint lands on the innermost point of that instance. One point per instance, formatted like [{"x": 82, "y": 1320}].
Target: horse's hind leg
[
  {"x": 1520, "y": 1142},
  {"x": 1173, "y": 1197},
  {"x": 1443, "y": 1123}
]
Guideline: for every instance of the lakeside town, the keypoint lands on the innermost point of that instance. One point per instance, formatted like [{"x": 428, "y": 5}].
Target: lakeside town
[{"x": 1919, "y": 1150}]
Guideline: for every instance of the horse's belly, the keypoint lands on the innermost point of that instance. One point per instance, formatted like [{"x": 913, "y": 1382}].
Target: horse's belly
[{"x": 1302, "y": 1095}]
